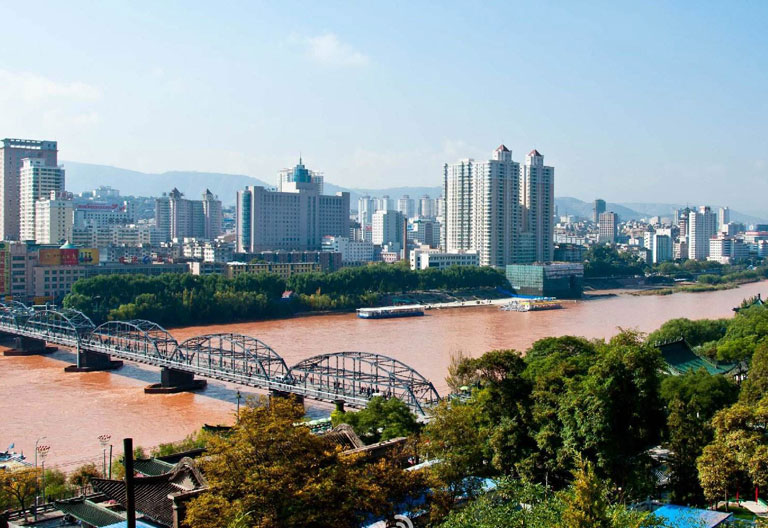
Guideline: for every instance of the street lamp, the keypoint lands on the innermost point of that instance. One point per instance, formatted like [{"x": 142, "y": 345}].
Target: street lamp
[
  {"x": 41, "y": 452},
  {"x": 238, "y": 405},
  {"x": 37, "y": 481},
  {"x": 104, "y": 441}
]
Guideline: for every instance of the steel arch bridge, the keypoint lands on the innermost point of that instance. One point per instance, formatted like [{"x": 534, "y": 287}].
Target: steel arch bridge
[
  {"x": 237, "y": 354},
  {"x": 351, "y": 377},
  {"x": 361, "y": 375},
  {"x": 143, "y": 340}
]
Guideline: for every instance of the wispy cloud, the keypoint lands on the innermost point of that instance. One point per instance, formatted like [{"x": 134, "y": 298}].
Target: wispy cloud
[
  {"x": 328, "y": 49},
  {"x": 27, "y": 86}
]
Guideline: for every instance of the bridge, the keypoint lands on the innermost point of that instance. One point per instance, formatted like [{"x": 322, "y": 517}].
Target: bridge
[{"x": 349, "y": 378}]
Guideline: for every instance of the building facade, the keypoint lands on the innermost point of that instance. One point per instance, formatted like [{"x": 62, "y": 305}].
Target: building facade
[
  {"x": 702, "y": 226},
  {"x": 597, "y": 209},
  {"x": 12, "y": 152},
  {"x": 562, "y": 280},
  {"x": 537, "y": 198},
  {"x": 608, "y": 224},
  {"x": 38, "y": 181},
  {"x": 54, "y": 218},
  {"x": 176, "y": 217}
]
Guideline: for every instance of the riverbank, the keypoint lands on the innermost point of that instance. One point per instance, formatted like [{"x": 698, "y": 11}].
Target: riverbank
[{"x": 694, "y": 287}]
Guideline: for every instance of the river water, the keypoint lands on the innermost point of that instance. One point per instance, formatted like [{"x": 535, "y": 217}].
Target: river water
[{"x": 37, "y": 398}]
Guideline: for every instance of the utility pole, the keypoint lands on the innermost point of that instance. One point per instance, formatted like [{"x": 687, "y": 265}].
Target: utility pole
[{"x": 130, "y": 492}]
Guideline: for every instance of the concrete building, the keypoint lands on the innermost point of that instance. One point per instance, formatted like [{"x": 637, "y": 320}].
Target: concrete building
[
  {"x": 296, "y": 219},
  {"x": 286, "y": 178},
  {"x": 387, "y": 228},
  {"x": 425, "y": 232},
  {"x": 608, "y": 224},
  {"x": 366, "y": 206},
  {"x": 37, "y": 182},
  {"x": 179, "y": 217},
  {"x": 352, "y": 251},
  {"x": 54, "y": 218},
  {"x": 384, "y": 203},
  {"x": 102, "y": 212},
  {"x": 702, "y": 226},
  {"x": 421, "y": 259},
  {"x": 597, "y": 209},
  {"x": 406, "y": 206},
  {"x": 537, "y": 198},
  {"x": 427, "y": 207},
  {"x": 482, "y": 207},
  {"x": 660, "y": 246},
  {"x": 727, "y": 250},
  {"x": 723, "y": 217},
  {"x": 12, "y": 152},
  {"x": 283, "y": 269},
  {"x": 560, "y": 279}
]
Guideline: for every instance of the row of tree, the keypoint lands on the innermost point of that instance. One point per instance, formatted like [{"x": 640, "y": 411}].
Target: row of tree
[{"x": 180, "y": 299}]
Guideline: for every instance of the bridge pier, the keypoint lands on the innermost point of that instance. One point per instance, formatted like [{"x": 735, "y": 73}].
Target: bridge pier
[
  {"x": 172, "y": 381},
  {"x": 274, "y": 393},
  {"x": 90, "y": 361},
  {"x": 339, "y": 405},
  {"x": 28, "y": 346}
]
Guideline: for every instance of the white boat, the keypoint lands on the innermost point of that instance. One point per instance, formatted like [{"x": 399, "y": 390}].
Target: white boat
[{"x": 385, "y": 312}]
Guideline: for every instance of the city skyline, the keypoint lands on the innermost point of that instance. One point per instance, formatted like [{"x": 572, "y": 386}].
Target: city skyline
[{"x": 370, "y": 111}]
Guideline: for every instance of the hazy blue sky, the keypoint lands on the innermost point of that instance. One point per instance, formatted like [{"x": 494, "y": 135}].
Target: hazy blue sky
[{"x": 631, "y": 101}]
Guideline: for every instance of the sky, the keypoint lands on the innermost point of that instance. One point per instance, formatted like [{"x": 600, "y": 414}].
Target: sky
[{"x": 630, "y": 101}]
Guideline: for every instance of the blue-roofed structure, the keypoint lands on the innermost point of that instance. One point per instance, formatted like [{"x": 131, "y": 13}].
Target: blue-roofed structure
[
  {"x": 684, "y": 517},
  {"x": 124, "y": 524}
]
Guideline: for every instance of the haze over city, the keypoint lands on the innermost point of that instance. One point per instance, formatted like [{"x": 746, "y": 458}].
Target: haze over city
[{"x": 632, "y": 102}]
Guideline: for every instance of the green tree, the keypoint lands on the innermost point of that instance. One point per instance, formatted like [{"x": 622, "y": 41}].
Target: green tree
[
  {"x": 18, "y": 486},
  {"x": 83, "y": 475},
  {"x": 382, "y": 419},
  {"x": 587, "y": 505},
  {"x": 756, "y": 384},
  {"x": 281, "y": 475}
]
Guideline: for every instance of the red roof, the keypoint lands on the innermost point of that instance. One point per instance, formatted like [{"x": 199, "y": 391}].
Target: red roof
[
  {"x": 503, "y": 148},
  {"x": 534, "y": 152}
]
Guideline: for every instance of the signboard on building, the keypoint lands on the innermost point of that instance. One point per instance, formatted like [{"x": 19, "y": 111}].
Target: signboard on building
[
  {"x": 69, "y": 257},
  {"x": 88, "y": 256},
  {"x": 49, "y": 257}
]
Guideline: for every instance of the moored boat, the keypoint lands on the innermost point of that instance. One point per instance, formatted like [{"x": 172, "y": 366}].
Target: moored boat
[{"x": 386, "y": 312}]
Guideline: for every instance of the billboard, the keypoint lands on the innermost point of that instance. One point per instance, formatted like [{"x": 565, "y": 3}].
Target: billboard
[
  {"x": 68, "y": 257},
  {"x": 88, "y": 256},
  {"x": 49, "y": 257}
]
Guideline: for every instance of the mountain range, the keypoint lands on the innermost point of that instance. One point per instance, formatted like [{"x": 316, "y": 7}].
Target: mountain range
[{"x": 86, "y": 176}]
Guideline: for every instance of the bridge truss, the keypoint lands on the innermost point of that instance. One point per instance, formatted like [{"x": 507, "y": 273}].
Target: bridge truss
[{"x": 351, "y": 377}]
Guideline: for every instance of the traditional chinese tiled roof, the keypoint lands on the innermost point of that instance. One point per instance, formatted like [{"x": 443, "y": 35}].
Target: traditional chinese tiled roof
[
  {"x": 153, "y": 493},
  {"x": 344, "y": 436},
  {"x": 151, "y": 467},
  {"x": 89, "y": 512}
]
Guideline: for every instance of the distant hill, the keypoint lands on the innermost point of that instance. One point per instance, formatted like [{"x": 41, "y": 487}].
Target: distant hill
[
  {"x": 636, "y": 211},
  {"x": 87, "y": 176}
]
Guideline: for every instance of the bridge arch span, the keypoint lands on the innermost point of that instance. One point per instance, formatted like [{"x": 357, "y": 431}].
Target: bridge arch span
[
  {"x": 364, "y": 374},
  {"x": 234, "y": 353},
  {"x": 67, "y": 325},
  {"x": 137, "y": 336},
  {"x": 14, "y": 314}
]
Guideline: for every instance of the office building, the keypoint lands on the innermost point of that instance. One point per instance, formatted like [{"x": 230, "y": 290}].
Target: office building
[
  {"x": 727, "y": 250},
  {"x": 296, "y": 218},
  {"x": 537, "y": 200},
  {"x": 37, "y": 181},
  {"x": 702, "y": 225},
  {"x": 53, "y": 218},
  {"x": 597, "y": 209},
  {"x": 659, "y": 244},
  {"x": 482, "y": 207},
  {"x": 177, "y": 217},
  {"x": 421, "y": 259},
  {"x": 352, "y": 251},
  {"x": 102, "y": 212},
  {"x": 387, "y": 229},
  {"x": 384, "y": 203},
  {"x": 424, "y": 231},
  {"x": 12, "y": 152},
  {"x": 608, "y": 224}
]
